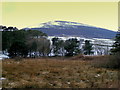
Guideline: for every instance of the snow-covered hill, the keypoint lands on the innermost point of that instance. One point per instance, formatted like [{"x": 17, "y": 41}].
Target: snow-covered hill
[
  {"x": 60, "y": 24},
  {"x": 59, "y": 28},
  {"x": 100, "y": 38}
]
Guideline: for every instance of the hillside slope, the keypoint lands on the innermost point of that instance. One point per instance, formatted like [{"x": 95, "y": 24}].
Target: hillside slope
[{"x": 60, "y": 28}]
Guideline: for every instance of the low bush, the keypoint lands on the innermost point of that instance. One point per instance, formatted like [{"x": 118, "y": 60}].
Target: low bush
[{"x": 112, "y": 61}]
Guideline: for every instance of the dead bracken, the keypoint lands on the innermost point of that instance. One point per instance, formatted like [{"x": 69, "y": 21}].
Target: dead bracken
[{"x": 52, "y": 73}]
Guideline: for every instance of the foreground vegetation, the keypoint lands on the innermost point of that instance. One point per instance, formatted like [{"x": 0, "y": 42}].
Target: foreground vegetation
[
  {"x": 58, "y": 72},
  {"x": 75, "y": 72}
]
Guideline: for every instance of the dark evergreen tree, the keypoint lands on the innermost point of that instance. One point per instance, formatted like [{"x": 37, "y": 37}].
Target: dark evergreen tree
[
  {"x": 18, "y": 49},
  {"x": 58, "y": 46},
  {"x": 116, "y": 45},
  {"x": 72, "y": 47},
  {"x": 7, "y": 40},
  {"x": 8, "y": 37},
  {"x": 55, "y": 41},
  {"x": 35, "y": 34},
  {"x": 114, "y": 60},
  {"x": 87, "y": 48}
]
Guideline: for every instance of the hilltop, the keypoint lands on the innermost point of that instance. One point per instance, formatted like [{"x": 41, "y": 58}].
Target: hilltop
[{"x": 66, "y": 28}]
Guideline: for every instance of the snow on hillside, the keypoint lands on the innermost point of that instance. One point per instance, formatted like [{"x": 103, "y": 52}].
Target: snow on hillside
[
  {"x": 53, "y": 28},
  {"x": 2, "y": 56},
  {"x": 58, "y": 23},
  {"x": 100, "y": 46}
]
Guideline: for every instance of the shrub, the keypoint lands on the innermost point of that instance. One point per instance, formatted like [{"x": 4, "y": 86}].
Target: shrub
[{"x": 112, "y": 61}]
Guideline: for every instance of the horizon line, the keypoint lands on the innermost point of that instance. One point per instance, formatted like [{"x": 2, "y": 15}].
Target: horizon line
[{"x": 62, "y": 20}]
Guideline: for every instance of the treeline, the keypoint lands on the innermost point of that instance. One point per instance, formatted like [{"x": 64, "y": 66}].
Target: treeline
[
  {"x": 21, "y": 43},
  {"x": 4, "y": 28},
  {"x": 70, "y": 47},
  {"x": 33, "y": 43}
]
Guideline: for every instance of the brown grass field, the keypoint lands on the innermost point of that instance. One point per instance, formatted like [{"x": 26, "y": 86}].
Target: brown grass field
[{"x": 75, "y": 72}]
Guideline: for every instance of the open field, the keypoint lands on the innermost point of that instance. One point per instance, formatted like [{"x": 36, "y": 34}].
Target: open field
[{"x": 57, "y": 73}]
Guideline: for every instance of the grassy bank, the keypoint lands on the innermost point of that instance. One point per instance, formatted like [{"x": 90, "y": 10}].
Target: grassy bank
[{"x": 57, "y": 73}]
